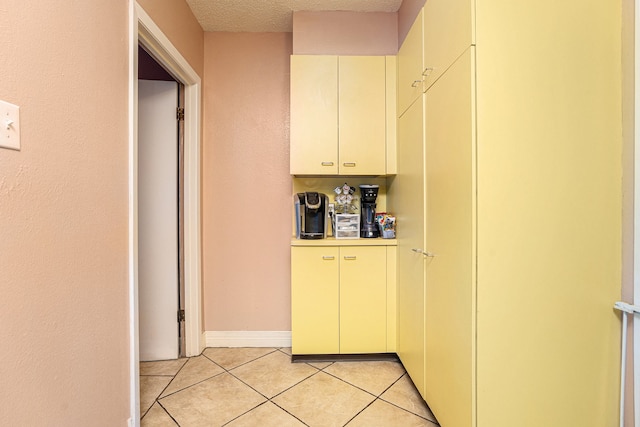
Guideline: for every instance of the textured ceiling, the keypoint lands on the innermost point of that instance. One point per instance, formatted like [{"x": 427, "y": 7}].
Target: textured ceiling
[{"x": 273, "y": 15}]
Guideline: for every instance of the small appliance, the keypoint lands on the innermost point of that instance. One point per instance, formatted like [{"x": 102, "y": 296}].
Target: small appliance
[
  {"x": 368, "y": 196},
  {"x": 311, "y": 212}
]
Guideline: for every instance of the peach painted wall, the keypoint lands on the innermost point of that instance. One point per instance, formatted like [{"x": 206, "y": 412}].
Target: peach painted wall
[
  {"x": 247, "y": 203},
  {"x": 175, "y": 19},
  {"x": 406, "y": 15},
  {"x": 345, "y": 33},
  {"x": 64, "y": 210}
]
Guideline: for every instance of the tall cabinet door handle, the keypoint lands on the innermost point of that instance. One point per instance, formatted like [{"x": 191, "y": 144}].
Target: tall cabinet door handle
[
  {"x": 427, "y": 71},
  {"x": 328, "y": 257},
  {"x": 350, "y": 257},
  {"x": 416, "y": 83},
  {"x": 423, "y": 252}
]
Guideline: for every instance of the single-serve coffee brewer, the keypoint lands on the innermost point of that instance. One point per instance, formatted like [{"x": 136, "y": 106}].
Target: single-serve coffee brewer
[
  {"x": 311, "y": 211},
  {"x": 368, "y": 196}
]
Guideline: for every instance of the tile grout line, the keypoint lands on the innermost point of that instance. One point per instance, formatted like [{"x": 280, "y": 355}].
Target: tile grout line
[
  {"x": 270, "y": 399},
  {"x": 399, "y": 407},
  {"x": 162, "y": 391},
  {"x": 168, "y": 413}
]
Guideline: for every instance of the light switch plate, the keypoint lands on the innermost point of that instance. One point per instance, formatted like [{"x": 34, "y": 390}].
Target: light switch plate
[{"x": 9, "y": 126}]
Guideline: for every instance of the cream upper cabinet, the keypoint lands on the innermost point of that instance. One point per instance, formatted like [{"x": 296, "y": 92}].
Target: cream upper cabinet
[
  {"x": 338, "y": 115},
  {"x": 410, "y": 66},
  {"x": 361, "y": 115},
  {"x": 314, "y": 115},
  {"x": 448, "y": 31}
]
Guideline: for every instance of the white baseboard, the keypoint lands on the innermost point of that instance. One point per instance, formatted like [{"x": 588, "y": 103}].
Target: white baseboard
[{"x": 248, "y": 338}]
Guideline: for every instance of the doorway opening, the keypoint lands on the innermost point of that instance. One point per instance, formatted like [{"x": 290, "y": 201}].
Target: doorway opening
[
  {"x": 160, "y": 211},
  {"x": 144, "y": 32}
]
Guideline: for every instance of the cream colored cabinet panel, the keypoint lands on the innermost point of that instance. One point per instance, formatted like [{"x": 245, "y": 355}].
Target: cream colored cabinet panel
[
  {"x": 549, "y": 212},
  {"x": 315, "y": 300},
  {"x": 392, "y": 298},
  {"x": 391, "y": 119},
  {"x": 410, "y": 66},
  {"x": 361, "y": 115},
  {"x": 448, "y": 32},
  {"x": 339, "y": 299},
  {"x": 363, "y": 299},
  {"x": 450, "y": 222},
  {"x": 314, "y": 115},
  {"x": 518, "y": 310},
  {"x": 407, "y": 194}
]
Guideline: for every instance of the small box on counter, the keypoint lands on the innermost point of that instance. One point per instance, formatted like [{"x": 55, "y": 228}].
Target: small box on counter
[
  {"x": 346, "y": 226},
  {"x": 387, "y": 224}
]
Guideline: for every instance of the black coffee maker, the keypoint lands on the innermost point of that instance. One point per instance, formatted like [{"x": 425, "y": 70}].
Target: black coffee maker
[
  {"x": 368, "y": 226},
  {"x": 311, "y": 211}
]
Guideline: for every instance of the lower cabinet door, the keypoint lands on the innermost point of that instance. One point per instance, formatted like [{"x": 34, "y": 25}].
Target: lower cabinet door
[
  {"x": 363, "y": 299},
  {"x": 315, "y": 300}
]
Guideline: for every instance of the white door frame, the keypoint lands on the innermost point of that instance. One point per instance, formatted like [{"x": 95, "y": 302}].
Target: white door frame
[
  {"x": 636, "y": 216},
  {"x": 142, "y": 30}
]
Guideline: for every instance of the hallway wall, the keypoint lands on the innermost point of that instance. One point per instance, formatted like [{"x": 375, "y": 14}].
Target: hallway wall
[
  {"x": 246, "y": 257},
  {"x": 246, "y": 184},
  {"x": 64, "y": 209}
]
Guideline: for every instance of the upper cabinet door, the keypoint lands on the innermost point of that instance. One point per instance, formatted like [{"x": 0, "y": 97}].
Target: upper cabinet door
[
  {"x": 410, "y": 67},
  {"x": 362, "y": 115},
  {"x": 448, "y": 32},
  {"x": 314, "y": 115}
]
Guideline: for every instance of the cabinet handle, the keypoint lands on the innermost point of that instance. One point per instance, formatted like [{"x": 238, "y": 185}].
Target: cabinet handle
[
  {"x": 328, "y": 257},
  {"x": 427, "y": 71},
  {"x": 327, "y": 163},
  {"x": 425, "y": 253},
  {"x": 350, "y": 257},
  {"x": 416, "y": 83},
  {"x": 349, "y": 164}
]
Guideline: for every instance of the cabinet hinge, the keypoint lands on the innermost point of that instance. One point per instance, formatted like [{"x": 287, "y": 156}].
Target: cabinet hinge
[
  {"x": 180, "y": 315},
  {"x": 180, "y": 113}
]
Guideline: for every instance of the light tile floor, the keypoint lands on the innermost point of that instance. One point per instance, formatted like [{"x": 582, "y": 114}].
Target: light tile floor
[{"x": 260, "y": 387}]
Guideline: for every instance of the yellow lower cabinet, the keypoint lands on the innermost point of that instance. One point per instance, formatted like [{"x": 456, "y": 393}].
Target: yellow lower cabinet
[
  {"x": 339, "y": 300},
  {"x": 314, "y": 300},
  {"x": 363, "y": 299}
]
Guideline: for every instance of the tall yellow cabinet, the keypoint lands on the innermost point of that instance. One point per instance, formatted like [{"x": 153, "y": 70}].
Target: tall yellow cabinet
[
  {"x": 343, "y": 128},
  {"x": 516, "y": 213}
]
